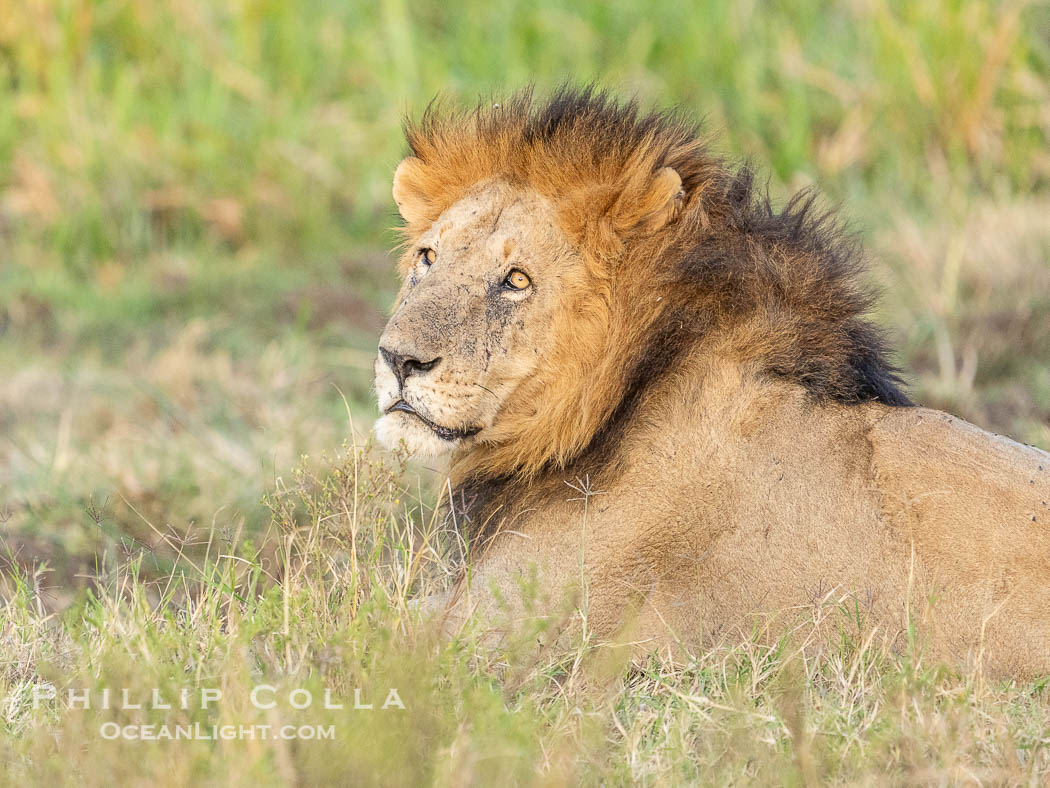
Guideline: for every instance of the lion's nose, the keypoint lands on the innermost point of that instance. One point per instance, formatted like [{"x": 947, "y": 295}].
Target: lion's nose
[{"x": 405, "y": 365}]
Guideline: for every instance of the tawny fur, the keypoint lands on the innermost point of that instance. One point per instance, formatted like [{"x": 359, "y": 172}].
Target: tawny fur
[{"x": 701, "y": 367}]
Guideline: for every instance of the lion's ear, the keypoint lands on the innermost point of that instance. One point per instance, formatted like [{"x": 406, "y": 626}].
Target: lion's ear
[
  {"x": 659, "y": 204},
  {"x": 410, "y": 191}
]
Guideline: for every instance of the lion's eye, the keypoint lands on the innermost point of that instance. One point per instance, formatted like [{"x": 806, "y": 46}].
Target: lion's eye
[
  {"x": 427, "y": 257},
  {"x": 517, "y": 280}
]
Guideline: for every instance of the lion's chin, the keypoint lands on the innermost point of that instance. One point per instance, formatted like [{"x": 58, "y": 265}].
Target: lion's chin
[{"x": 394, "y": 428}]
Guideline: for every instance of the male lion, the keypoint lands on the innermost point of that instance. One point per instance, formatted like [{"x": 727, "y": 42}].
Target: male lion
[{"x": 658, "y": 391}]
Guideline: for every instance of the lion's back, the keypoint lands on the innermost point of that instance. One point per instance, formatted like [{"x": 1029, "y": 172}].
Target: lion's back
[
  {"x": 939, "y": 470},
  {"x": 976, "y": 509}
]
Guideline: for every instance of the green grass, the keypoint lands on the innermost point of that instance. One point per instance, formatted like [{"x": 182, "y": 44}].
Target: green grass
[{"x": 194, "y": 213}]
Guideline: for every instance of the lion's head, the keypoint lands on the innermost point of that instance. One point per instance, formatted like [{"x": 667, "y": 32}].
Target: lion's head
[
  {"x": 559, "y": 256},
  {"x": 483, "y": 285}
]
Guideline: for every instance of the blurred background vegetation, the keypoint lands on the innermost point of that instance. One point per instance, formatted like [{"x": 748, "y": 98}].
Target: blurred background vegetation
[{"x": 195, "y": 214}]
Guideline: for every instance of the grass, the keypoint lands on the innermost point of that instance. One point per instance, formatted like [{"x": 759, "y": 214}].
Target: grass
[
  {"x": 194, "y": 213},
  {"x": 325, "y": 604}
]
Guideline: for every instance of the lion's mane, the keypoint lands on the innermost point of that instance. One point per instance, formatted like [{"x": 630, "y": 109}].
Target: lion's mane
[{"x": 728, "y": 276}]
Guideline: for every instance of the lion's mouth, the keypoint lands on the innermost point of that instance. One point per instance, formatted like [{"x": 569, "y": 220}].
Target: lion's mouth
[{"x": 445, "y": 433}]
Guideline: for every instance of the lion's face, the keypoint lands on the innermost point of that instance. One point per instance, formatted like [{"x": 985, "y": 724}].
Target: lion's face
[{"x": 484, "y": 285}]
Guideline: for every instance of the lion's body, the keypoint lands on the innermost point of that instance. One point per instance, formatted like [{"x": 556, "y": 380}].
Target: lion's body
[
  {"x": 663, "y": 396},
  {"x": 744, "y": 501}
]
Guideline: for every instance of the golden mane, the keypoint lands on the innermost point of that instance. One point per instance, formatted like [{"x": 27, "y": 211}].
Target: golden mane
[{"x": 713, "y": 271}]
